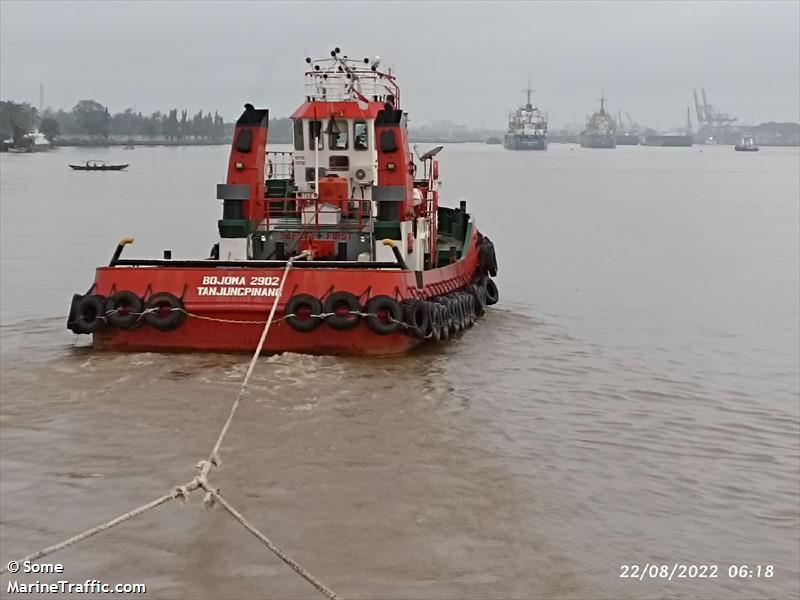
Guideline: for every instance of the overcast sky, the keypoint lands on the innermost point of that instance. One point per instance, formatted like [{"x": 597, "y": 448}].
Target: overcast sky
[{"x": 463, "y": 61}]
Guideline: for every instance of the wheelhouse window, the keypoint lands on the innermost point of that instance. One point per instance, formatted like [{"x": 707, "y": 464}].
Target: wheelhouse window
[
  {"x": 360, "y": 135},
  {"x": 337, "y": 134},
  {"x": 314, "y": 131},
  {"x": 339, "y": 163},
  {"x": 298, "y": 134}
]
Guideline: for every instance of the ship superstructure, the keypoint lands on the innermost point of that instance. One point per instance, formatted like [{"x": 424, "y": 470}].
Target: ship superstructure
[
  {"x": 527, "y": 127},
  {"x": 601, "y": 128}
]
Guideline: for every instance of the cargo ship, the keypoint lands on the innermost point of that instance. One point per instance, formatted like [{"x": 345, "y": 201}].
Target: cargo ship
[
  {"x": 337, "y": 247},
  {"x": 600, "y": 129},
  {"x": 527, "y": 127}
]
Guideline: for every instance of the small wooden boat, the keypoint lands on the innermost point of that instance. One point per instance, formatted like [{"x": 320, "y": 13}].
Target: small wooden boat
[{"x": 97, "y": 165}]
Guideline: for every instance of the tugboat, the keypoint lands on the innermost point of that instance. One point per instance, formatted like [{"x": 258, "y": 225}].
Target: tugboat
[
  {"x": 527, "y": 128},
  {"x": 342, "y": 241},
  {"x": 600, "y": 129},
  {"x": 746, "y": 144}
]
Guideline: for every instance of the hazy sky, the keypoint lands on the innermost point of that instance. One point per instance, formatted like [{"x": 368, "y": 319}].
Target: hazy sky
[{"x": 463, "y": 61}]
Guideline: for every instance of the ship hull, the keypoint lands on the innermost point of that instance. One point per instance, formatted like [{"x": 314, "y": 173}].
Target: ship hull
[
  {"x": 597, "y": 140},
  {"x": 226, "y": 307},
  {"x": 670, "y": 141},
  {"x": 627, "y": 140},
  {"x": 525, "y": 142}
]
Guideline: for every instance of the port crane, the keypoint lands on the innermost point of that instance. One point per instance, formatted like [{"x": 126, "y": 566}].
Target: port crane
[{"x": 708, "y": 116}]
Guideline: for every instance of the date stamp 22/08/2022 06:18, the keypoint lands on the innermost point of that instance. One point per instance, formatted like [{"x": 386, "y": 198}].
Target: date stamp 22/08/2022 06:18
[{"x": 677, "y": 571}]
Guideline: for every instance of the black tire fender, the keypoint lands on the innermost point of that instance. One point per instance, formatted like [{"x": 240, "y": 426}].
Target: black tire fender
[
  {"x": 434, "y": 322},
  {"x": 73, "y": 312},
  {"x": 124, "y": 310},
  {"x": 90, "y": 314},
  {"x": 478, "y": 300},
  {"x": 444, "y": 322},
  {"x": 492, "y": 293},
  {"x": 462, "y": 305},
  {"x": 164, "y": 311},
  {"x": 335, "y": 303},
  {"x": 471, "y": 313},
  {"x": 416, "y": 316},
  {"x": 385, "y": 315},
  {"x": 454, "y": 314},
  {"x": 302, "y": 312}
]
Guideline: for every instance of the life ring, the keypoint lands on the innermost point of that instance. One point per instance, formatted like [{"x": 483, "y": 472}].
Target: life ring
[
  {"x": 124, "y": 310},
  {"x": 492, "y": 293},
  {"x": 90, "y": 314},
  {"x": 164, "y": 311},
  {"x": 385, "y": 315},
  {"x": 416, "y": 316},
  {"x": 343, "y": 309},
  {"x": 302, "y": 312}
]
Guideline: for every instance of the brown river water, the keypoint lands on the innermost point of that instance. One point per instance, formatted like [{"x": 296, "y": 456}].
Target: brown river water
[{"x": 633, "y": 399}]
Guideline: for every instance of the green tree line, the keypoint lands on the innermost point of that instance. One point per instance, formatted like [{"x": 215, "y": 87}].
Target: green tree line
[{"x": 89, "y": 117}]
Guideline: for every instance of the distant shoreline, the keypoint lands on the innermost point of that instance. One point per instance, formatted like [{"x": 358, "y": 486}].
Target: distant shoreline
[
  {"x": 106, "y": 143},
  {"x": 114, "y": 143}
]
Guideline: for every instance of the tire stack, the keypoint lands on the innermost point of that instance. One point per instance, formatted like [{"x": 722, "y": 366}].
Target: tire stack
[
  {"x": 436, "y": 319},
  {"x": 125, "y": 310}
]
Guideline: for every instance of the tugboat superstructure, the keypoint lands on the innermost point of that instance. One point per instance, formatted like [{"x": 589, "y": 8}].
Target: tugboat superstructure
[
  {"x": 600, "y": 129},
  {"x": 377, "y": 266},
  {"x": 747, "y": 143},
  {"x": 527, "y": 127}
]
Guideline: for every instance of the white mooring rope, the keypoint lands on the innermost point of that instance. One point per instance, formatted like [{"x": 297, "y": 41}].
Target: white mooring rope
[{"x": 201, "y": 482}]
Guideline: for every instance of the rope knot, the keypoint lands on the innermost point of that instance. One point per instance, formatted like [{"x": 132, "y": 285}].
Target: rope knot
[
  {"x": 181, "y": 492},
  {"x": 208, "y": 501}
]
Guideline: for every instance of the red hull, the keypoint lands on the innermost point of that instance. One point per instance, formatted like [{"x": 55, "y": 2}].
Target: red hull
[{"x": 213, "y": 294}]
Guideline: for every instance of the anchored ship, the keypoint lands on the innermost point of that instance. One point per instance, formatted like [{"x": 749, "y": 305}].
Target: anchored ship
[
  {"x": 626, "y": 137},
  {"x": 673, "y": 140},
  {"x": 600, "y": 129},
  {"x": 34, "y": 141},
  {"x": 340, "y": 245},
  {"x": 527, "y": 127}
]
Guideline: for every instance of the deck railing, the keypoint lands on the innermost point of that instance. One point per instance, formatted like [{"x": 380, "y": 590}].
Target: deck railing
[{"x": 307, "y": 212}]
